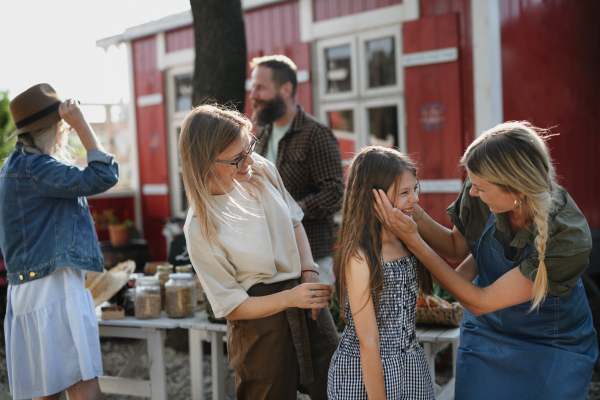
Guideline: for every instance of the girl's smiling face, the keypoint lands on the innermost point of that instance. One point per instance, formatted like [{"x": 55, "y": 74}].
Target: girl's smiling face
[{"x": 404, "y": 193}]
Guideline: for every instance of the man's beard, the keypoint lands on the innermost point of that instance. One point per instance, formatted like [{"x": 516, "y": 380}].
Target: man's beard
[{"x": 272, "y": 110}]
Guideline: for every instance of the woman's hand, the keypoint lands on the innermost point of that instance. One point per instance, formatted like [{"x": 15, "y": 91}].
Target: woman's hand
[
  {"x": 302, "y": 296},
  {"x": 311, "y": 277},
  {"x": 71, "y": 113},
  {"x": 394, "y": 220}
]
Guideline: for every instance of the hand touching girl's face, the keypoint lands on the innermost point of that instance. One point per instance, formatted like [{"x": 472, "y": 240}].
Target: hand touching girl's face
[{"x": 404, "y": 194}]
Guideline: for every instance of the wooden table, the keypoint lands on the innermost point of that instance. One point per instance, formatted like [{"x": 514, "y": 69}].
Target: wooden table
[
  {"x": 153, "y": 331},
  {"x": 435, "y": 339},
  {"x": 200, "y": 329}
]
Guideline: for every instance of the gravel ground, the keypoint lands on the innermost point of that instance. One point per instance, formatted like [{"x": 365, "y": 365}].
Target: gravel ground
[{"x": 115, "y": 352}]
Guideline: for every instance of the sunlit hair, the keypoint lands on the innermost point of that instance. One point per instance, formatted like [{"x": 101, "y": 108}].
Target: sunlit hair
[
  {"x": 45, "y": 140},
  {"x": 206, "y": 132},
  {"x": 284, "y": 70},
  {"x": 515, "y": 156},
  {"x": 373, "y": 167}
]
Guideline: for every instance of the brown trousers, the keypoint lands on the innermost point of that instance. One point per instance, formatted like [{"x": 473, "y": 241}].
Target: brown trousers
[{"x": 275, "y": 356}]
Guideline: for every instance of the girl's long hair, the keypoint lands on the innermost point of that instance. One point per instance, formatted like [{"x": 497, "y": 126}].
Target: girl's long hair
[
  {"x": 206, "y": 132},
  {"x": 515, "y": 156},
  {"x": 373, "y": 167}
]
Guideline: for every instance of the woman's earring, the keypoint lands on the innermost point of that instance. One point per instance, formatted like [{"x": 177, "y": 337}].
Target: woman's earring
[{"x": 516, "y": 203}]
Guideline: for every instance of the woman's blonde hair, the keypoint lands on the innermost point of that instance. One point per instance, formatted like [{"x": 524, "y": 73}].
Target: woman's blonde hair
[
  {"x": 515, "y": 156},
  {"x": 206, "y": 132},
  {"x": 44, "y": 141},
  {"x": 374, "y": 167}
]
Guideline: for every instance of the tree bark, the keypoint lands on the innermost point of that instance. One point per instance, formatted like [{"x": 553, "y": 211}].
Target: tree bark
[{"x": 220, "y": 41}]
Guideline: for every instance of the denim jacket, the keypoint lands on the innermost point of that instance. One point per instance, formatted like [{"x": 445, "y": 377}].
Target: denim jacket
[{"x": 45, "y": 222}]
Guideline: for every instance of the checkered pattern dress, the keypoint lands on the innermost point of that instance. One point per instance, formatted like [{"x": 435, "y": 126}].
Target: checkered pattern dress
[{"x": 405, "y": 369}]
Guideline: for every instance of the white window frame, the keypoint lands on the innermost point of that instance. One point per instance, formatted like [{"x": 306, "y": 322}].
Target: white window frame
[
  {"x": 322, "y": 68},
  {"x": 391, "y": 31},
  {"x": 397, "y": 101},
  {"x": 174, "y": 122},
  {"x": 359, "y": 138}
]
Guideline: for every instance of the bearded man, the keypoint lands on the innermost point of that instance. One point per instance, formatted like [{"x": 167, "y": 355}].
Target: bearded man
[{"x": 305, "y": 152}]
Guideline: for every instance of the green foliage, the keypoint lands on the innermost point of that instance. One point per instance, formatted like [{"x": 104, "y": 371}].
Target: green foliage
[
  {"x": 441, "y": 292},
  {"x": 7, "y": 126},
  {"x": 108, "y": 217}
]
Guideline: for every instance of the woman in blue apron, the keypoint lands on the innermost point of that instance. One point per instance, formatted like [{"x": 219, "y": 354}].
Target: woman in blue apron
[{"x": 527, "y": 328}]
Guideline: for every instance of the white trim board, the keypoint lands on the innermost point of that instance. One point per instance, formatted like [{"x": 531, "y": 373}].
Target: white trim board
[
  {"x": 430, "y": 57},
  {"x": 440, "y": 185},
  {"x": 487, "y": 65},
  {"x": 350, "y": 24},
  {"x": 150, "y": 100}
]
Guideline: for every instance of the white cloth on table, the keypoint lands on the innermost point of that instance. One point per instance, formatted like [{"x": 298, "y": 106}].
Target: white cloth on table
[{"x": 51, "y": 334}]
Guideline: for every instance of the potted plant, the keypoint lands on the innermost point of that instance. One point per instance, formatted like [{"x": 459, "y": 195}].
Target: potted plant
[{"x": 118, "y": 232}]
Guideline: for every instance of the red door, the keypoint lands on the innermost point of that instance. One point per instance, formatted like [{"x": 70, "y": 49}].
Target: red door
[{"x": 433, "y": 108}]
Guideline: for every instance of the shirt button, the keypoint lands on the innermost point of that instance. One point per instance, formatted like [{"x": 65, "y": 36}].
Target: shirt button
[
  {"x": 21, "y": 277},
  {"x": 403, "y": 328},
  {"x": 32, "y": 274}
]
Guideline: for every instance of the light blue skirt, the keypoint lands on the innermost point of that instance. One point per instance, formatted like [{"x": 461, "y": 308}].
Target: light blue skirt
[{"x": 51, "y": 334}]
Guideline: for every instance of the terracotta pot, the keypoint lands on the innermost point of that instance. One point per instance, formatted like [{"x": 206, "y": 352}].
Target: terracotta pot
[{"x": 120, "y": 235}]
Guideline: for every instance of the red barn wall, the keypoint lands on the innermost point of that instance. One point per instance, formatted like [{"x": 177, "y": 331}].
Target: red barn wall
[
  {"x": 327, "y": 9},
  {"x": 433, "y": 8},
  {"x": 152, "y": 144},
  {"x": 275, "y": 29},
  {"x": 551, "y": 77},
  {"x": 180, "y": 39}
]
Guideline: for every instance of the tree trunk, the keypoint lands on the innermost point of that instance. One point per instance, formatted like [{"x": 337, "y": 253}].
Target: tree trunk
[{"x": 220, "y": 40}]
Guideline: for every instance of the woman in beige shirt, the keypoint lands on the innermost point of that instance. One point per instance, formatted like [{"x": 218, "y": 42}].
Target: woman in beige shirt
[{"x": 247, "y": 244}]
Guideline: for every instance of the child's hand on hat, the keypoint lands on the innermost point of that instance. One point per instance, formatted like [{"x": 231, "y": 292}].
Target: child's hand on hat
[{"x": 71, "y": 113}]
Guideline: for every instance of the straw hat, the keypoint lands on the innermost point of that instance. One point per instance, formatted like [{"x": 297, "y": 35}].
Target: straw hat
[
  {"x": 35, "y": 108},
  {"x": 104, "y": 285}
]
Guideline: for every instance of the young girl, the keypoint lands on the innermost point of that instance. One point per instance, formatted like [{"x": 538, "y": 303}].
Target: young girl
[{"x": 376, "y": 280}]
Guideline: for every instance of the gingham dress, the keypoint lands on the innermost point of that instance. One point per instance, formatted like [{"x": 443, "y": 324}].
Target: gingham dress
[{"x": 405, "y": 369}]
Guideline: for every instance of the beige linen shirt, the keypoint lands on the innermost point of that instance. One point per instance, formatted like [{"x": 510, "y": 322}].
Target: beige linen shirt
[{"x": 258, "y": 243}]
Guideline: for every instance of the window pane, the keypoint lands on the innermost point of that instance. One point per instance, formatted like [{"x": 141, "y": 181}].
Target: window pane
[
  {"x": 183, "y": 92},
  {"x": 382, "y": 62},
  {"x": 342, "y": 121},
  {"x": 338, "y": 69},
  {"x": 342, "y": 124},
  {"x": 383, "y": 126}
]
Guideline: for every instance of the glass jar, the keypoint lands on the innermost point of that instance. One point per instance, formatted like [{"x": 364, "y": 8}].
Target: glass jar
[
  {"x": 199, "y": 291},
  {"x": 129, "y": 302},
  {"x": 163, "y": 272},
  {"x": 147, "y": 298},
  {"x": 184, "y": 268},
  {"x": 181, "y": 295}
]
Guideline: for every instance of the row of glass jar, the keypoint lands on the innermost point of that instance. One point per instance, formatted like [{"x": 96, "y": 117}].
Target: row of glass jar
[{"x": 176, "y": 293}]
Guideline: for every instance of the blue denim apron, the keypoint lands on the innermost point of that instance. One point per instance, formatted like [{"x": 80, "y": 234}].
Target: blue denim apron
[{"x": 512, "y": 354}]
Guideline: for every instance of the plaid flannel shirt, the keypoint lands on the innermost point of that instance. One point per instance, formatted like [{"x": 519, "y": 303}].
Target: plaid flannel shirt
[{"x": 310, "y": 165}]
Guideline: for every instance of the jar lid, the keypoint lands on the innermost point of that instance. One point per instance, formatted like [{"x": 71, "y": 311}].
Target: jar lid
[
  {"x": 181, "y": 275},
  {"x": 165, "y": 267},
  {"x": 148, "y": 281},
  {"x": 130, "y": 292},
  {"x": 184, "y": 268},
  {"x": 136, "y": 275}
]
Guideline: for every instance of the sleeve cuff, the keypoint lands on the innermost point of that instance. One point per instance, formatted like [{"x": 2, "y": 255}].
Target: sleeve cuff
[{"x": 100, "y": 156}]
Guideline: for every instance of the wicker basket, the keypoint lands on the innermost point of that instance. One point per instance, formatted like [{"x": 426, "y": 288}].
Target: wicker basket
[{"x": 440, "y": 315}]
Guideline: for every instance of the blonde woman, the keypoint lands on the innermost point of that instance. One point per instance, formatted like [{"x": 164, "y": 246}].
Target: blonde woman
[
  {"x": 247, "y": 244},
  {"x": 527, "y": 329},
  {"x": 48, "y": 239}
]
